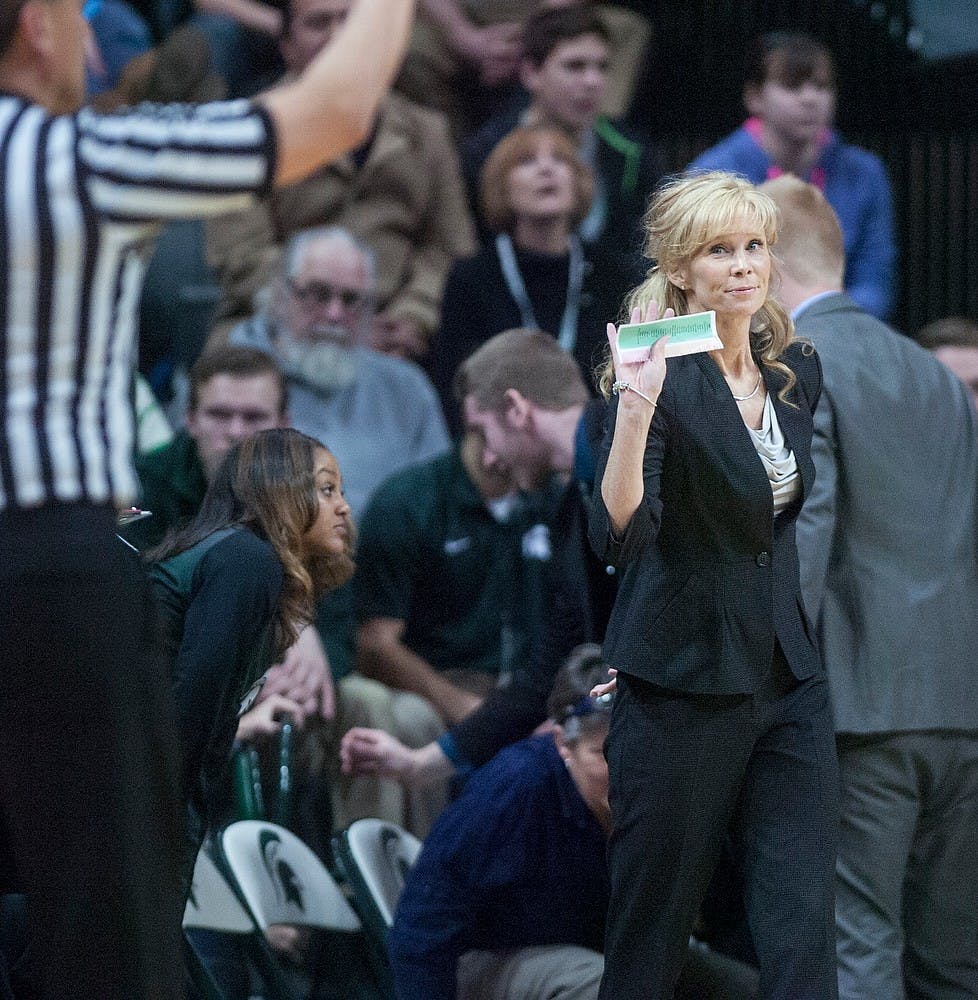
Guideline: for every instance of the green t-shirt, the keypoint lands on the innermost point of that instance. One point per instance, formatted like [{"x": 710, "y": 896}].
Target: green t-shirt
[{"x": 467, "y": 583}]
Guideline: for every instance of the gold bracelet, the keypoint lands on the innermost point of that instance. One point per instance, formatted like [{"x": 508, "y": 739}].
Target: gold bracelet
[{"x": 617, "y": 387}]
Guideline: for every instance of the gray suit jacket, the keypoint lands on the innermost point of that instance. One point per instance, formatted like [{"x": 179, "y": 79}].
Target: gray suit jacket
[{"x": 888, "y": 538}]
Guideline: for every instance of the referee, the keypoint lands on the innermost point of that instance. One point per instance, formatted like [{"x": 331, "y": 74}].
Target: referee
[{"x": 89, "y": 815}]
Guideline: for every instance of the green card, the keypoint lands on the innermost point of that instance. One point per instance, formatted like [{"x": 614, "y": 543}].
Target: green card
[{"x": 687, "y": 335}]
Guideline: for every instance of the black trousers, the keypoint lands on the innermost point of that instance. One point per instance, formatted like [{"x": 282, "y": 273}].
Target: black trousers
[
  {"x": 90, "y": 818},
  {"x": 685, "y": 769}
]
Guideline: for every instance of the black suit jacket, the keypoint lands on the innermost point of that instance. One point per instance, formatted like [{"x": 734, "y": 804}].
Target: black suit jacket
[{"x": 710, "y": 578}]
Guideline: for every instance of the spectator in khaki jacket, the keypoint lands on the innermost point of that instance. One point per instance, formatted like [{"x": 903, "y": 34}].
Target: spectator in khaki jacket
[{"x": 400, "y": 193}]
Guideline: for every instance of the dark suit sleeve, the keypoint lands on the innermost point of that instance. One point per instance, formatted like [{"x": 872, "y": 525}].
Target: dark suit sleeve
[
  {"x": 815, "y": 528},
  {"x": 641, "y": 530},
  {"x": 512, "y": 712}
]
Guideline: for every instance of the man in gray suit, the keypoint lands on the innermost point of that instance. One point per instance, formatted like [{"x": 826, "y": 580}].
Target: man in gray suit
[{"x": 889, "y": 548}]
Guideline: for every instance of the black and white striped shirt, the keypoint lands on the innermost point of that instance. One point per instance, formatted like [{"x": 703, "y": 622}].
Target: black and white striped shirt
[{"x": 83, "y": 196}]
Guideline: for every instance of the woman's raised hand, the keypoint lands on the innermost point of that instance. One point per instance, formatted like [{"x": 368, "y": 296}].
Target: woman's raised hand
[{"x": 647, "y": 376}]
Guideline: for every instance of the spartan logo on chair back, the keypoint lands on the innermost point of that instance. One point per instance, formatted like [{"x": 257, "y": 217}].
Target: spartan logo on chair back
[
  {"x": 390, "y": 846},
  {"x": 287, "y": 885}
]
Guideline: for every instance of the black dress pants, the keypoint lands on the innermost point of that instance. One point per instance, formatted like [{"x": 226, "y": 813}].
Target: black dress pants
[
  {"x": 684, "y": 769},
  {"x": 90, "y": 817}
]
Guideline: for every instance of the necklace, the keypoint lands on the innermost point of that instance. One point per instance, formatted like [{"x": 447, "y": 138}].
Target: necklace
[{"x": 753, "y": 391}]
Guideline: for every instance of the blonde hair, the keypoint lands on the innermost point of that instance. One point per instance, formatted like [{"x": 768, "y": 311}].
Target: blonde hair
[
  {"x": 497, "y": 209},
  {"x": 686, "y": 214},
  {"x": 811, "y": 248}
]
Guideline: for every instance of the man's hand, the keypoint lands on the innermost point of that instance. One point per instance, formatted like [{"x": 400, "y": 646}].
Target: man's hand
[
  {"x": 289, "y": 940},
  {"x": 400, "y": 336},
  {"x": 304, "y": 676},
  {"x": 609, "y": 687},
  {"x": 494, "y": 50},
  {"x": 376, "y": 753}
]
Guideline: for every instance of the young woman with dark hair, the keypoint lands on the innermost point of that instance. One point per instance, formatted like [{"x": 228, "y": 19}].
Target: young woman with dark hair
[{"x": 238, "y": 584}]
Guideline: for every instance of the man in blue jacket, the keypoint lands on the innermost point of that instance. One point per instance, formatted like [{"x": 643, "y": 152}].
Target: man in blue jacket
[
  {"x": 509, "y": 895},
  {"x": 789, "y": 93}
]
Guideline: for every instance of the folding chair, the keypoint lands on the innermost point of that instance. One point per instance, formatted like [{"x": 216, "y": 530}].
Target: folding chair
[
  {"x": 281, "y": 881},
  {"x": 374, "y": 857},
  {"x": 211, "y": 905}
]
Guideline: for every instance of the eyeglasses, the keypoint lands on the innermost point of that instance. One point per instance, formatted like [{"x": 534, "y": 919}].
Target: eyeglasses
[{"x": 321, "y": 293}]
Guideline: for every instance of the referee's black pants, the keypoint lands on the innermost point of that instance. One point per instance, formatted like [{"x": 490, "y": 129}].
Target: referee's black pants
[
  {"x": 90, "y": 817},
  {"x": 685, "y": 769}
]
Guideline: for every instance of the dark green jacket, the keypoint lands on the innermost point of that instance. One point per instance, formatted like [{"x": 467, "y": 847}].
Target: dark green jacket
[
  {"x": 173, "y": 485},
  {"x": 218, "y": 602}
]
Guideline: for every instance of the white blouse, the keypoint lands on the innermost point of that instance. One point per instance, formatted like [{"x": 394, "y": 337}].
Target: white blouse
[{"x": 778, "y": 458}]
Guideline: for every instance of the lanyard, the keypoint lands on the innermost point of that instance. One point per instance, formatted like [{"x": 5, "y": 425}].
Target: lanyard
[{"x": 567, "y": 336}]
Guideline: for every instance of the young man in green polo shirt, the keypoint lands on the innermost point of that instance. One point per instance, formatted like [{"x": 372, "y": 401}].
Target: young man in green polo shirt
[
  {"x": 448, "y": 592},
  {"x": 234, "y": 392}
]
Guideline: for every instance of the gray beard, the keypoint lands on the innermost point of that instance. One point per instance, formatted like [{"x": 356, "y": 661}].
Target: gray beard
[{"x": 323, "y": 365}]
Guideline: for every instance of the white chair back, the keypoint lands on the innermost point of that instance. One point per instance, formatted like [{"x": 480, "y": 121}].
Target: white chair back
[
  {"x": 282, "y": 880},
  {"x": 384, "y": 853},
  {"x": 212, "y": 902}
]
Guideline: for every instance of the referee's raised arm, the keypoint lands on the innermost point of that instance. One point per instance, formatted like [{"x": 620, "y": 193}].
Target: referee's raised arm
[
  {"x": 93, "y": 820},
  {"x": 329, "y": 109}
]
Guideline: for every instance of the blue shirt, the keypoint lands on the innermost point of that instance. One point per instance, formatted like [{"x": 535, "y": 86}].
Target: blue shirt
[
  {"x": 518, "y": 860},
  {"x": 856, "y": 186}
]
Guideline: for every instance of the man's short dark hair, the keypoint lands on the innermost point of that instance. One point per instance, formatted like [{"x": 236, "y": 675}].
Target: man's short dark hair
[
  {"x": 548, "y": 27},
  {"x": 529, "y": 361},
  {"x": 238, "y": 362},
  {"x": 790, "y": 57}
]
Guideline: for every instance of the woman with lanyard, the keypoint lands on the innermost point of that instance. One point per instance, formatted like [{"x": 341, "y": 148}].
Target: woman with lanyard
[{"x": 533, "y": 273}]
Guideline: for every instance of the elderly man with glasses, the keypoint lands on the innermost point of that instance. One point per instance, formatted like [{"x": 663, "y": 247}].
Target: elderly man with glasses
[{"x": 377, "y": 412}]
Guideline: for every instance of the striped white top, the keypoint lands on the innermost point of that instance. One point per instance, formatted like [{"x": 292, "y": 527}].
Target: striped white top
[
  {"x": 82, "y": 198},
  {"x": 778, "y": 458}
]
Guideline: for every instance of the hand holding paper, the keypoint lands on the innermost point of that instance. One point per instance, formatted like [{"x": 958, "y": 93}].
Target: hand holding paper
[
  {"x": 687, "y": 334},
  {"x": 648, "y": 371}
]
